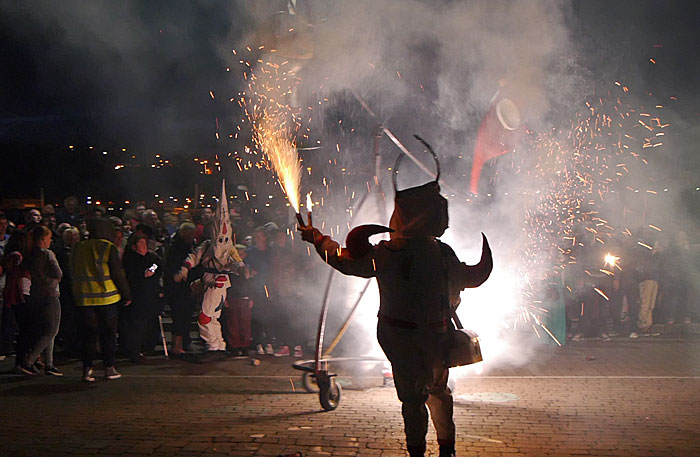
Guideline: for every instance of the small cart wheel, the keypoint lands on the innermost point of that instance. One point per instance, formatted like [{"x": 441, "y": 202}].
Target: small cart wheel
[
  {"x": 329, "y": 394},
  {"x": 308, "y": 380}
]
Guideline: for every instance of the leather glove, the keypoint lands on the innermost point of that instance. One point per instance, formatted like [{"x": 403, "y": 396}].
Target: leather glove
[{"x": 310, "y": 234}]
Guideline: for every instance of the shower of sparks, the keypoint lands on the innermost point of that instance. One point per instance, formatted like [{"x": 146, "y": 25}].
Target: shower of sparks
[
  {"x": 574, "y": 172},
  {"x": 571, "y": 171},
  {"x": 274, "y": 122},
  {"x": 611, "y": 260},
  {"x": 282, "y": 155}
]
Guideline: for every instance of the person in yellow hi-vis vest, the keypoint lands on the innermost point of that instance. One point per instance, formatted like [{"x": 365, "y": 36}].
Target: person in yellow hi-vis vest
[{"x": 99, "y": 285}]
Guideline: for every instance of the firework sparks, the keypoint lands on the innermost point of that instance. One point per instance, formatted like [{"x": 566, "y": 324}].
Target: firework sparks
[
  {"x": 611, "y": 260},
  {"x": 274, "y": 141},
  {"x": 309, "y": 208},
  {"x": 601, "y": 293},
  {"x": 644, "y": 245}
]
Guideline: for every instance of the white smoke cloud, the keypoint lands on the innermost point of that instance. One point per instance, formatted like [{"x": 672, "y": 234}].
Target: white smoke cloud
[{"x": 432, "y": 68}]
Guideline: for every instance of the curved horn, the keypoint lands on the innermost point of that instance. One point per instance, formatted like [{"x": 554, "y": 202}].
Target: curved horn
[
  {"x": 398, "y": 162},
  {"x": 430, "y": 150},
  {"x": 480, "y": 272}
]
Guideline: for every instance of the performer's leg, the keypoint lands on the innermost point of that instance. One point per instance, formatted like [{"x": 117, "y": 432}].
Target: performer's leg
[
  {"x": 216, "y": 340},
  {"x": 441, "y": 409},
  {"x": 415, "y": 414},
  {"x": 210, "y": 331},
  {"x": 410, "y": 384},
  {"x": 208, "y": 321}
]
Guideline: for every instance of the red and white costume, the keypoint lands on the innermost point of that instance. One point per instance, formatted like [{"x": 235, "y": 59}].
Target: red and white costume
[{"x": 220, "y": 259}]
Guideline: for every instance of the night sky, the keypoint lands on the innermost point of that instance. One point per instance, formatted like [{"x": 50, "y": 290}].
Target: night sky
[{"x": 137, "y": 75}]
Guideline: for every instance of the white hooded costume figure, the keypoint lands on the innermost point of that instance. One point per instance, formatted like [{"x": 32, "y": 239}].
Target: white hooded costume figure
[{"x": 220, "y": 259}]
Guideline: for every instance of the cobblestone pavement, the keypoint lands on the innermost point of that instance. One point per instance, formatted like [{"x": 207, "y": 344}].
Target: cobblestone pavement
[{"x": 594, "y": 398}]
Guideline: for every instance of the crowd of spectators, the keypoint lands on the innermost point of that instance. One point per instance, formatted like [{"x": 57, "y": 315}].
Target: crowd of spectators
[
  {"x": 99, "y": 284},
  {"x": 649, "y": 283}
]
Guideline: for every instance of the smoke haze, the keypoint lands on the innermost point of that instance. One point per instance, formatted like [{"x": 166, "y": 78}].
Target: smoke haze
[{"x": 143, "y": 71}]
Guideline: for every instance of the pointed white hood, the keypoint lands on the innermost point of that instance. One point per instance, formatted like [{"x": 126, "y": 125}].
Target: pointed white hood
[{"x": 223, "y": 241}]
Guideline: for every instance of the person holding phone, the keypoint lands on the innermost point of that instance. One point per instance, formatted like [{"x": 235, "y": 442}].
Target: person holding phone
[{"x": 143, "y": 272}]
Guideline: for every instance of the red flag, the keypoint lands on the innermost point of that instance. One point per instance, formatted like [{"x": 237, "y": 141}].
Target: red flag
[{"x": 497, "y": 135}]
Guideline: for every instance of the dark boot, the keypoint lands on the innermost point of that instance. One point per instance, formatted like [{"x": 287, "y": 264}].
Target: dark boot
[
  {"x": 416, "y": 451},
  {"x": 447, "y": 450}
]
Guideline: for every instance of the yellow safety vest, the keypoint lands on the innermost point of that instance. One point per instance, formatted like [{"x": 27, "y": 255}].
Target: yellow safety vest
[{"x": 92, "y": 281}]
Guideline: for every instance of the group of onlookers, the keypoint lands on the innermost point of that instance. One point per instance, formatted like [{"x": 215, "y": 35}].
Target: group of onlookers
[
  {"x": 649, "y": 284},
  {"x": 97, "y": 285}
]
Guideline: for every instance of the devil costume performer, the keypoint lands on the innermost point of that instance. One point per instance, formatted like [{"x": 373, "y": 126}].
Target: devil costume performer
[
  {"x": 220, "y": 259},
  {"x": 419, "y": 280}
]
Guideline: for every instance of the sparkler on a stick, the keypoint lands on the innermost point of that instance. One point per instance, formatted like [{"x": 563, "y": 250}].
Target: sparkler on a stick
[{"x": 309, "y": 208}]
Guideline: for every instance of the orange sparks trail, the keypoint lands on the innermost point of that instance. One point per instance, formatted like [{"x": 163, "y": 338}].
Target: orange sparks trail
[
  {"x": 282, "y": 154},
  {"x": 274, "y": 122},
  {"x": 601, "y": 293},
  {"x": 573, "y": 170}
]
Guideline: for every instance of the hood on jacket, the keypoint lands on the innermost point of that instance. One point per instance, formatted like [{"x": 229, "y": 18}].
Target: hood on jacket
[{"x": 100, "y": 229}]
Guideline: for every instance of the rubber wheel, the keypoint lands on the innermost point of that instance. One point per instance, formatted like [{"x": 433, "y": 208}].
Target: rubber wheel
[
  {"x": 330, "y": 395},
  {"x": 308, "y": 380}
]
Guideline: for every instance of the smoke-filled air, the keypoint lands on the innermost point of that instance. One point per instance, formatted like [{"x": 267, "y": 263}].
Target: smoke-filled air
[
  {"x": 553, "y": 163},
  {"x": 544, "y": 144}
]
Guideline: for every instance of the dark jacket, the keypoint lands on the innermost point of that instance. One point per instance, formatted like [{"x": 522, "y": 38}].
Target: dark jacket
[
  {"x": 143, "y": 289},
  {"x": 419, "y": 279}
]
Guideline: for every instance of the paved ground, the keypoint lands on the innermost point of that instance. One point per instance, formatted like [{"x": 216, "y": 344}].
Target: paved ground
[{"x": 594, "y": 398}]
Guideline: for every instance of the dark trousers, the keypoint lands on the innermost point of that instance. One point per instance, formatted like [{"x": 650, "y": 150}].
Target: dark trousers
[
  {"x": 132, "y": 329},
  {"x": 676, "y": 297},
  {"x": 68, "y": 329},
  {"x": 592, "y": 321},
  {"x": 236, "y": 322},
  {"x": 25, "y": 331},
  {"x": 420, "y": 378},
  {"x": 99, "y": 322},
  {"x": 263, "y": 320},
  {"x": 46, "y": 317},
  {"x": 151, "y": 336},
  {"x": 182, "y": 307},
  {"x": 8, "y": 329}
]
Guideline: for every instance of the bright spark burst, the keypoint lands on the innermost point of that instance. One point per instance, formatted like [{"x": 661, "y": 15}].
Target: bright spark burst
[
  {"x": 611, "y": 260},
  {"x": 282, "y": 154},
  {"x": 274, "y": 122}
]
